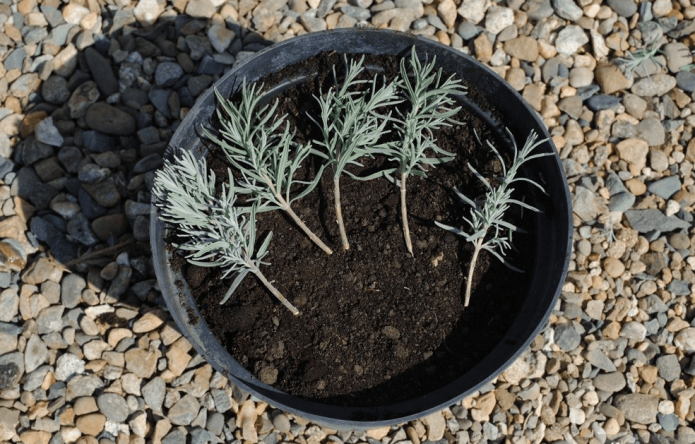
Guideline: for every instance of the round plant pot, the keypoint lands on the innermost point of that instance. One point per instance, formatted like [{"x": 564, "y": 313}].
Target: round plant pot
[{"x": 547, "y": 270}]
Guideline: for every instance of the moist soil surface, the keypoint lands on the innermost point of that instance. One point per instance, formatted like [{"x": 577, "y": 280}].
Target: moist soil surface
[{"x": 377, "y": 326}]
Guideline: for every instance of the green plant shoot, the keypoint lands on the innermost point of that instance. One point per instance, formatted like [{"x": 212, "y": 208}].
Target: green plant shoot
[
  {"x": 255, "y": 143},
  {"x": 431, "y": 107},
  {"x": 217, "y": 233},
  {"x": 487, "y": 215},
  {"x": 349, "y": 125}
]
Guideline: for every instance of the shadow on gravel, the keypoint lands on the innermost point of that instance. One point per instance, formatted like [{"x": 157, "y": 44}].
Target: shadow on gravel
[{"x": 94, "y": 127}]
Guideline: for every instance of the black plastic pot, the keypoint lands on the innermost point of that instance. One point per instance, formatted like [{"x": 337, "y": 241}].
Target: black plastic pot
[{"x": 554, "y": 230}]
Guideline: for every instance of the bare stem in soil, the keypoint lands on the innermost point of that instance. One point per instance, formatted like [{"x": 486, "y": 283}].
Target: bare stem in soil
[
  {"x": 300, "y": 223},
  {"x": 307, "y": 231},
  {"x": 474, "y": 259},
  {"x": 275, "y": 292},
  {"x": 404, "y": 216},
  {"x": 339, "y": 213}
]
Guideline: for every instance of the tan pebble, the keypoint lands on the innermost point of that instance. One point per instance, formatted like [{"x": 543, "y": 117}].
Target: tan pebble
[
  {"x": 633, "y": 151},
  {"x": 91, "y": 424},
  {"x": 412, "y": 435},
  {"x": 246, "y": 420},
  {"x": 89, "y": 21},
  {"x": 516, "y": 77},
  {"x": 161, "y": 429},
  {"x": 178, "y": 357},
  {"x": 116, "y": 334},
  {"x": 443, "y": 37},
  {"x": 483, "y": 48},
  {"x": 73, "y": 13},
  {"x": 523, "y": 47},
  {"x": 35, "y": 437},
  {"x": 486, "y": 403},
  {"x": 504, "y": 399},
  {"x": 613, "y": 267},
  {"x": 447, "y": 12},
  {"x": 85, "y": 405},
  {"x": 149, "y": 321},
  {"x": 612, "y": 330},
  {"x": 534, "y": 94},
  {"x": 636, "y": 186},
  {"x": 683, "y": 407},
  {"x": 26, "y": 6},
  {"x": 648, "y": 373},
  {"x": 30, "y": 122},
  {"x": 611, "y": 427},
  {"x": 435, "y": 426},
  {"x": 379, "y": 433}
]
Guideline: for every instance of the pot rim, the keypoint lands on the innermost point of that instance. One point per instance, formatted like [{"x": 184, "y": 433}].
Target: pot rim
[{"x": 348, "y": 417}]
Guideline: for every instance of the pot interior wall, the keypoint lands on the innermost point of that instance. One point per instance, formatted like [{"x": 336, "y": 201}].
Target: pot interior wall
[{"x": 553, "y": 225}]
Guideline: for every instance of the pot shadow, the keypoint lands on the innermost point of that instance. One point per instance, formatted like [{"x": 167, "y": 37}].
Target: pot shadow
[{"x": 98, "y": 238}]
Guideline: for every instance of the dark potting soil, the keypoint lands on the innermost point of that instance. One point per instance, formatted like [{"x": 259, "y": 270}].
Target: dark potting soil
[{"x": 377, "y": 326}]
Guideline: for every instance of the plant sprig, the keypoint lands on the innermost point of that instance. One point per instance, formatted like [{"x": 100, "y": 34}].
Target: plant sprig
[
  {"x": 431, "y": 107},
  {"x": 488, "y": 213},
  {"x": 260, "y": 149},
  {"x": 350, "y": 126},
  {"x": 639, "y": 58},
  {"x": 218, "y": 233}
]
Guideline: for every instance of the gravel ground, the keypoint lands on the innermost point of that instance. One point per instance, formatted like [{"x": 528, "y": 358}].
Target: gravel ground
[{"x": 92, "y": 90}]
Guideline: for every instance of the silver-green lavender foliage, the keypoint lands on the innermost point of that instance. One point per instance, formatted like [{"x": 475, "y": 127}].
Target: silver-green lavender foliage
[
  {"x": 432, "y": 103},
  {"x": 348, "y": 123},
  {"x": 255, "y": 142},
  {"x": 217, "y": 233},
  {"x": 639, "y": 59},
  {"x": 488, "y": 213}
]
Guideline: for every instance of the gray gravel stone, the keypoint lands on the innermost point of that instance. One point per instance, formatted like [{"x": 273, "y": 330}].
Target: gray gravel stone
[
  {"x": 601, "y": 101},
  {"x": 101, "y": 71},
  {"x": 634, "y": 330},
  {"x": 686, "y": 81},
  {"x": 652, "y": 130},
  {"x": 33, "y": 151},
  {"x": 81, "y": 231},
  {"x": 668, "y": 422},
  {"x": 62, "y": 249},
  {"x": 113, "y": 406},
  {"x": 35, "y": 353},
  {"x": 467, "y": 30},
  {"x": 653, "y": 304},
  {"x": 109, "y": 120},
  {"x": 149, "y": 163},
  {"x": 621, "y": 202},
  {"x": 222, "y": 400},
  {"x": 98, "y": 142},
  {"x": 91, "y": 173},
  {"x": 679, "y": 287},
  {"x": 11, "y": 369},
  {"x": 599, "y": 359},
  {"x": 668, "y": 366},
  {"x": 71, "y": 290},
  {"x": 645, "y": 221},
  {"x": 55, "y": 90},
  {"x": 637, "y": 407},
  {"x": 665, "y": 188},
  {"x": 567, "y": 9},
  {"x": 610, "y": 382},
  {"x": 167, "y": 74},
  {"x": 567, "y": 337},
  {"x": 184, "y": 411},
  {"x": 624, "y": 8},
  {"x": 153, "y": 393},
  {"x": 176, "y": 436},
  {"x": 50, "y": 319}
]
